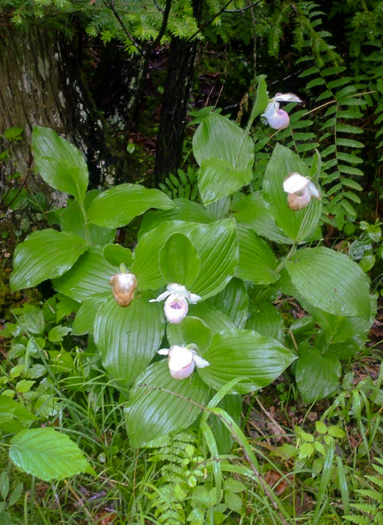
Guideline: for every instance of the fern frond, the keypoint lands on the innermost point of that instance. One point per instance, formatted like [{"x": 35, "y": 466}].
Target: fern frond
[
  {"x": 372, "y": 497},
  {"x": 172, "y": 456},
  {"x": 360, "y": 520}
]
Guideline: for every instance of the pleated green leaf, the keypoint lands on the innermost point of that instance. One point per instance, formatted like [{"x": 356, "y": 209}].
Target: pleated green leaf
[
  {"x": 60, "y": 164},
  {"x": 219, "y": 138},
  {"x": 218, "y": 178},
  {"x": 257, "y": 262},
  {"x": 267, "y": 321},
  {"x": 216, "y": 245},
  {"x": 317, "y": 375},
  {"x": 257, "y": 359},
  {"x": 115, "y": 254},
  {"x": 118, "y": 206},
  {"x": 44, "y": 255},
  {"x": 89, "y": 276},
  {"x": 84, "y": 320},
  {"x": 338, "y": 328},
  {"x": 128, "y": 338},
  {"x": 331, "y": 281},
  {"x": 253, "y": 212},
  {"x": 233, "y": 301},
  {"x": 261, "y": 100},
  {"x": 191, "y": 330},
  {"x": 214, "y": 318},
  {"x": 146, "y": 263},
  {"x": 72, "y": 220},
  {"x": 179, "y": 260},
  {"x": 160, "y": 404},
  {"x": 298, "y": 225},
  {"x": 184, "y": 210},
  {"x": 47, "y": 454}
]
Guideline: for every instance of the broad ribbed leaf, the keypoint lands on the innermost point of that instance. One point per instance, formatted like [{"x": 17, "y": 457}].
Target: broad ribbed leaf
[
  {"x": 184, "y": 210},
  {"x": 233, "y": 301},
  {"x": 257, "y": 359},
  {"x": 44, "y": 255},
  {"x": 179, "y": 260},
  {"x": 118, "y": 206},
  {"x": 47, "y": 454},
  {"x": 216, "y": 246},
  {"x": 261, "y": 100},
  {"x": 219, "y": 138},
  {"x": 72, "y": 220},
  {"x": 343, "y": 350},
  {"x": 160, "y": 404},
  {"x": 84, "y": 320},
  {"x": 89, "y": 276},
  {"x": 13, "y": 415},
  {"x": 330, "y": 281},
  {"x": 253, "y": 212},
  {"x": 146, "y": 263},
  {"x": 297, "y": 224},
  {"x": 257, "y": 262},
  {"x": 128, "y": 338},
  {"x": 218, "y": 178},
  {"x": 316, "y": 375},
  {"x": 191, "y": 330},
  {"x": 60, "y": 163},
  {"x": 214, "y": 318},
  {"x": 115, "y": 254},
  {"x": 337, "y": 328},
  {"x": 267, "y": 321}
]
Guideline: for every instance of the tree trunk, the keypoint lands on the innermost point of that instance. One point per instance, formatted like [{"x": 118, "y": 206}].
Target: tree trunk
[
  {"x": 174, "y": 103},
  {"x": 41, "y": 85},
  {"x": 30, "y": 90}
]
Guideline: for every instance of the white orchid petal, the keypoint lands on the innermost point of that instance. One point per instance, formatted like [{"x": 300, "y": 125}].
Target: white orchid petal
[
  {"x": 271, "y": 109},
  {"x": 161, "y": 297},
  {"x": 200, "y": 362},
  {"x": 286, "y": 97},
  {"x": 177, "y": 288},
  {"x": 295, "y": 182},
  {"x": 314, "y": 190},
  {"x": 163, "y": 351},
  {"x": 194, "y": 298}
]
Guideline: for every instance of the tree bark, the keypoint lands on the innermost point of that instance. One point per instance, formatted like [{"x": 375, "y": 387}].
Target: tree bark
[
  {"x": 41, "y": 85},
  {"x": 174, "y": 103},
  {"x": 30, "y": 90}
]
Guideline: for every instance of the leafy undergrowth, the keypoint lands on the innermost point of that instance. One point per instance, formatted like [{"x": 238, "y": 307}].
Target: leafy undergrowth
[{"x": 311, "y": 464}]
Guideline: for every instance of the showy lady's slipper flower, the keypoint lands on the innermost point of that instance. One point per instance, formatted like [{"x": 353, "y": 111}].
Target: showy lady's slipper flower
[
  {"x": 124, "y": 285},
  {"x": 300, "y": 190},
  {"x": 176, "y": 304},
  {"x": 279, "y": 118},
  {"x": 182, "y": 360}
]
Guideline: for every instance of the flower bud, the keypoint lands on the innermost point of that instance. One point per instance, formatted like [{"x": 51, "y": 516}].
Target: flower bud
[{"x": 124, "y": 285}]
